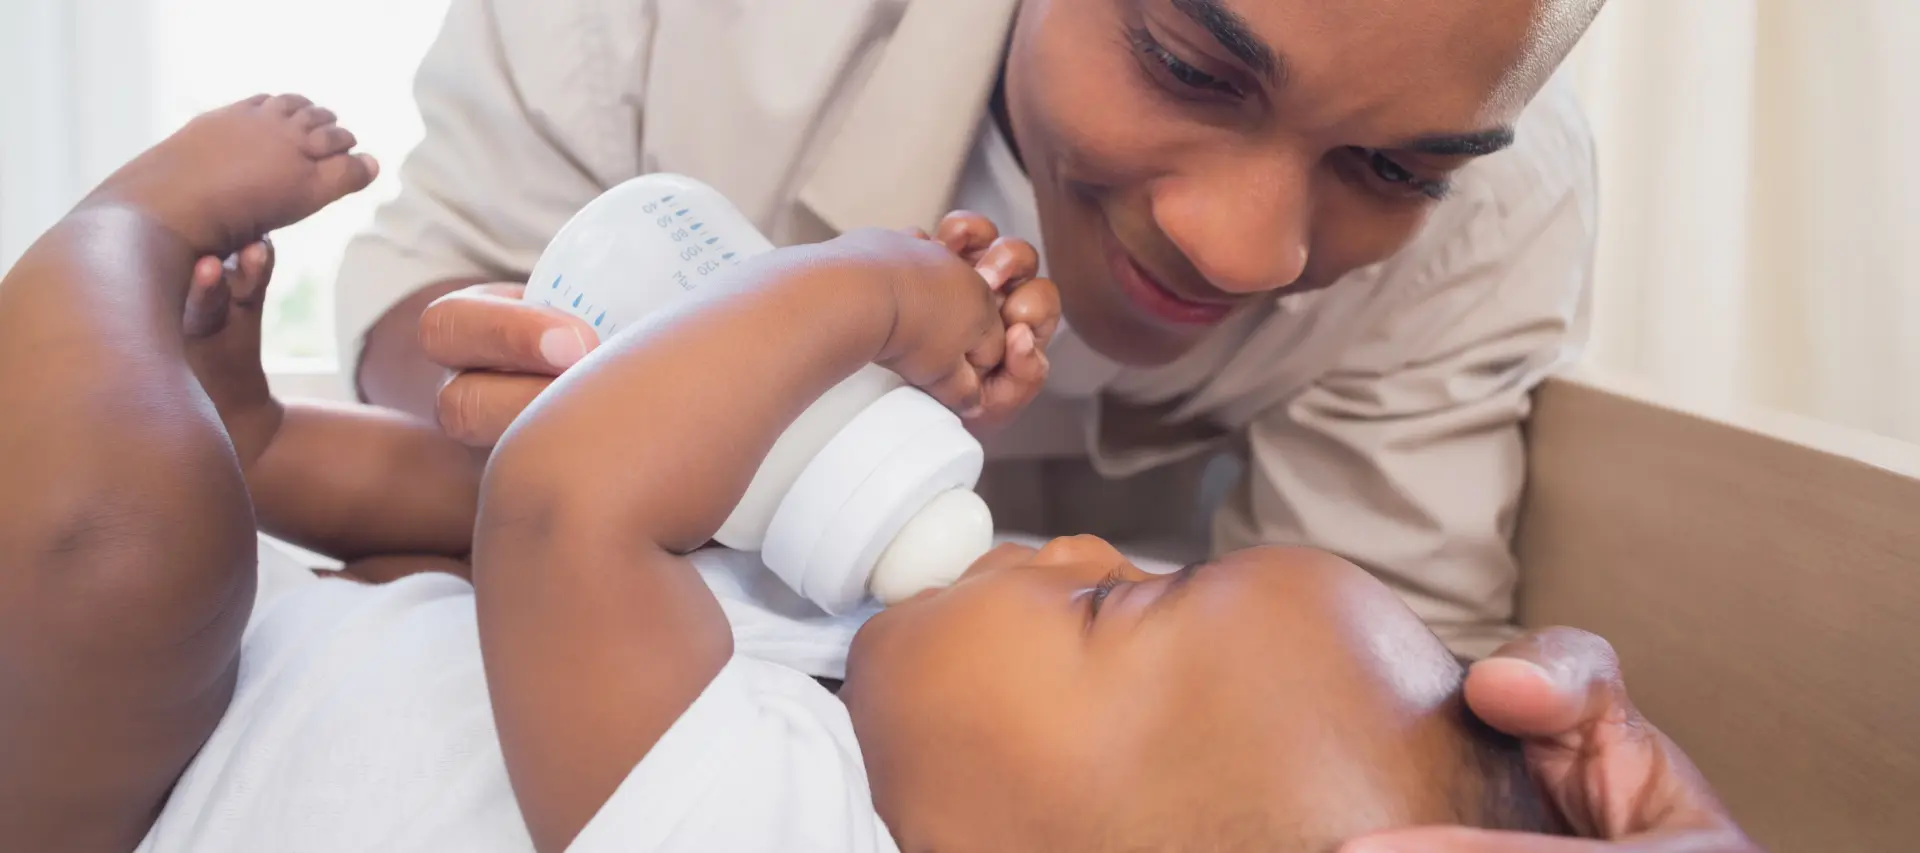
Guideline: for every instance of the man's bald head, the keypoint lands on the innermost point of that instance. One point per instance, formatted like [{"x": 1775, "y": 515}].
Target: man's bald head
[{"x": 1555, "y": 28}]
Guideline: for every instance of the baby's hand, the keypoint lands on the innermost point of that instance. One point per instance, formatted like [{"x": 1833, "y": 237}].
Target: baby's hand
[
  {"x": 222, "y": 330},
  {"x": 1029, "y": 310}
]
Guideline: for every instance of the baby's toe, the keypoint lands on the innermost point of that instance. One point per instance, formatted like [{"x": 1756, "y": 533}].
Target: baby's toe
[
  {"x": 287, "y": 105},
  {"x": 341, "y": 175},
  {"x": 315, "y": 117},
  {"x": 327, "y": 141}
]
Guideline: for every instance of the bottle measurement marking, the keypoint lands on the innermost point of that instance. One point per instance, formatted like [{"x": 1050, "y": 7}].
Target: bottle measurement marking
[
  {"x": 559, "y": 291},
  {"x": 553, "y": 301}
]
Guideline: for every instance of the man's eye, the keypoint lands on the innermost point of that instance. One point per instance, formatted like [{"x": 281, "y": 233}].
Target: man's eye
[
  {"x": 1182, "y": 72},
  {"x": 1386, "y": 169},
  {"x": 1389, "y": 171}
]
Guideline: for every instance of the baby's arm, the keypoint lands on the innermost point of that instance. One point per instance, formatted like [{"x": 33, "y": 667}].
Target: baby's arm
[
  {"x": 353, "y": 482},
  {"x": 597, "y": 635},
  {"x": 347, "y": 481}
]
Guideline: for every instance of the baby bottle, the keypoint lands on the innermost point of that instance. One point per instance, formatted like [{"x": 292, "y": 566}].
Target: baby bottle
[{"x": 870, "y": 491}]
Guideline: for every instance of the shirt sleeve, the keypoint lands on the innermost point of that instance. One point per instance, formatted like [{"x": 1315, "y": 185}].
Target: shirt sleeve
[
  {"x": 764, "y": 761},
  {"x": 1408, "y": 457},
  {"x": 530, "y": 110}
]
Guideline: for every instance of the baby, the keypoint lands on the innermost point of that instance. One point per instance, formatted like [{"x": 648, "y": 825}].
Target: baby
[{"x": 586, "y": 691}]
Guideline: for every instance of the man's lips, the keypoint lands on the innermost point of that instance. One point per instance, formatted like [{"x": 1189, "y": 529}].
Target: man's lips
[{"x": 1156, "y": 299}]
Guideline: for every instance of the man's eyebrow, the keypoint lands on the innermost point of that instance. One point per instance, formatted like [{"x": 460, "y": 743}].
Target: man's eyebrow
[
  {"x": 1233, "y": 33},
  {"x": 1478, "y": 143}
]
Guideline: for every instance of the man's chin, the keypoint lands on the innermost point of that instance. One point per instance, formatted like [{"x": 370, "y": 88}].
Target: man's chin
[{"x": 1133, "y": 343}]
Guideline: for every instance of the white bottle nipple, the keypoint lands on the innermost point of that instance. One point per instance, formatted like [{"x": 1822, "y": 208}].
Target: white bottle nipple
[{"x": 936, "y": 547}]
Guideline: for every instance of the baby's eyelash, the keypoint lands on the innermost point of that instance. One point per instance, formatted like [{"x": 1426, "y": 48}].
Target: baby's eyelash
[{"x": 1103, "y": 589}]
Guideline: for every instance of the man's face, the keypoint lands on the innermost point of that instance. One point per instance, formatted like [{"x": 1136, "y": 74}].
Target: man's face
[{"x": 1189, "y": 156}]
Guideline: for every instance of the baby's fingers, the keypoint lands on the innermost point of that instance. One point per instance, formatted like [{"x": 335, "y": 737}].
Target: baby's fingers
[
  {"x": 1008, "y": 264},
  {"x": 249, "y": 271},
  {"x": 1035, "y": 304},
  {"x": 208, "y": 299},
  {"x": 966, "y": 234},
  {"x": 218, "y": 285},
  {"x": 990, "y": 351},
  {"x": 1026, "y": 360},
  {"x": 959, "y": 390},
  {"x": 1020, "y": 378}
]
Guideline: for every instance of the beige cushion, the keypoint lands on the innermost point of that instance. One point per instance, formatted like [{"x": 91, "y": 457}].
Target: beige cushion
[{"x": 1760, "y": 577}]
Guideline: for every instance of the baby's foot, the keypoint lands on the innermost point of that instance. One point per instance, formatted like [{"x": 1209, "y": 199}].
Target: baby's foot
[
  {"x": 222, "y": 330},
  {"x": 234, "y": 174}
]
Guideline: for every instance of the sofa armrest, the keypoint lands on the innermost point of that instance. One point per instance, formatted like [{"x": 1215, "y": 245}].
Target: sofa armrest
[{"x": 1760, "y": 577}]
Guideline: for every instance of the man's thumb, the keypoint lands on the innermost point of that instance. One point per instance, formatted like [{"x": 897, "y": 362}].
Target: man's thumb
[{"x": 1459, "y": 839}]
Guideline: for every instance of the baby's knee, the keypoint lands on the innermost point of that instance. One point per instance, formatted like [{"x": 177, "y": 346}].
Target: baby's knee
[{"x": 117, "y": 564}]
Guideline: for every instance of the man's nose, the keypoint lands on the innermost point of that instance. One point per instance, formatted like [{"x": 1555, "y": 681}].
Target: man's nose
[{"x": 1245, "y": 223}]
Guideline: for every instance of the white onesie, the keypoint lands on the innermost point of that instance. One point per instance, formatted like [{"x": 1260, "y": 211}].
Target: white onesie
[{"x": 361, "y": 723}]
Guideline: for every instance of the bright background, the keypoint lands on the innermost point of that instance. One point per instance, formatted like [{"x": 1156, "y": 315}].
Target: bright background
[
  {"x": 98, "y": 80},
  {"x": 1756, "y": 158},
  {"x": 357, "y": 59}
]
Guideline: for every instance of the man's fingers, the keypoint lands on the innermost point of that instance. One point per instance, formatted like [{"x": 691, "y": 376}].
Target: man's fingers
[
  {"x": 483, "y": 327},
  {"x": 1549, "y": 683},
  {"x": 502, "y": 289},
  {"x": 1611, "y": 772},
  {"x": 1455, "y": 839},
  {"x": 506, "y": 351},
  {"x": 477, "y": 406}
]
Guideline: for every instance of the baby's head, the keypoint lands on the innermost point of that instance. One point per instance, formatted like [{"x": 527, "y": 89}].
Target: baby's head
[{"x": 1064, "y": 700}]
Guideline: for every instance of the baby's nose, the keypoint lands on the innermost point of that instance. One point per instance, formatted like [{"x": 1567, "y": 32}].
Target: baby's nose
[
  {"x": 1085, "y": 548},
  {"x": 1006, "y": 555}
]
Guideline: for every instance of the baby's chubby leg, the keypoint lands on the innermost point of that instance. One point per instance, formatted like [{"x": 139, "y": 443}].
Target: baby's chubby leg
[{"x": 126, "y": 535}]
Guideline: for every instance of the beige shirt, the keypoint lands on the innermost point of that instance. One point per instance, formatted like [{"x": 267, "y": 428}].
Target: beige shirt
[{"x": 1379, "y": 418}]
